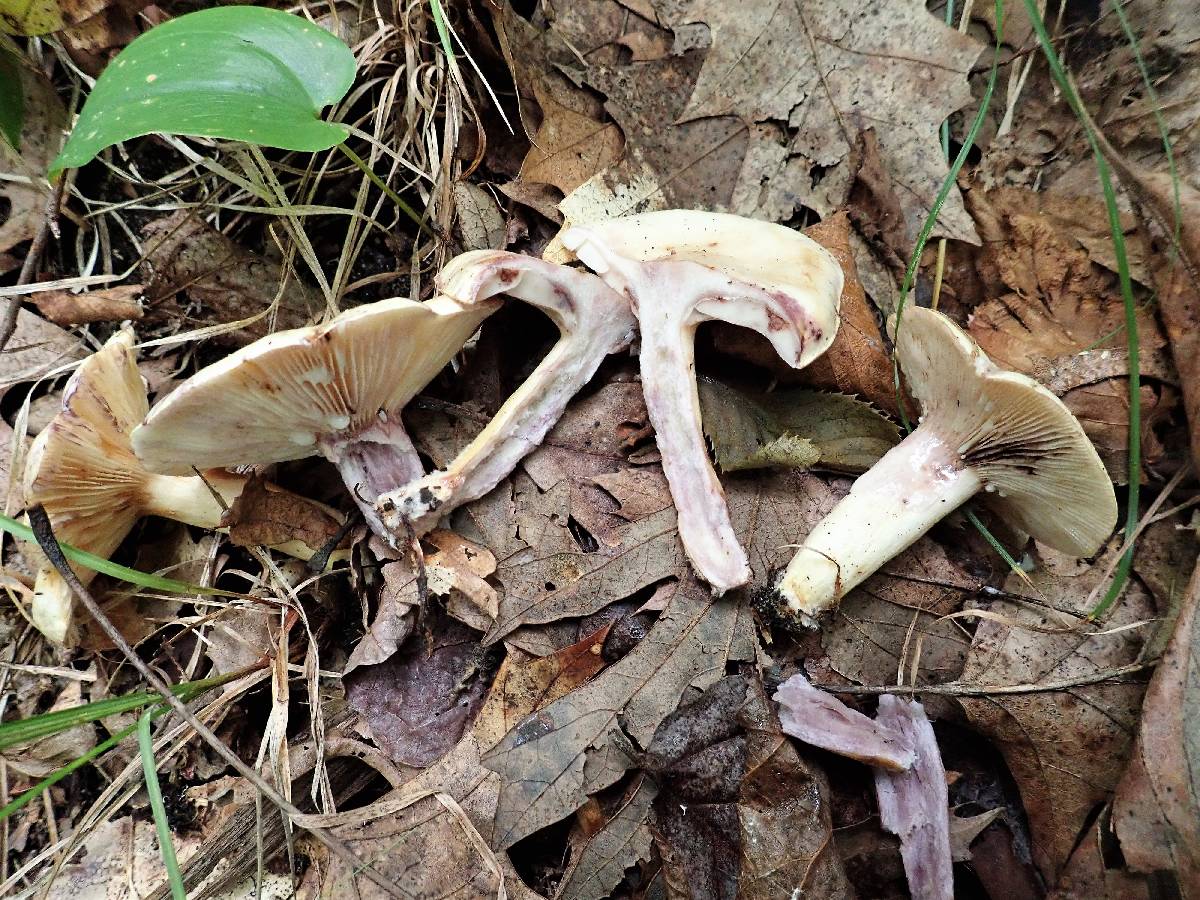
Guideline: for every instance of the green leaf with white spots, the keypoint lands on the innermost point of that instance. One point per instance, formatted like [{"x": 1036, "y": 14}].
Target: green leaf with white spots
[
  {"x": 795, "y": 428},
  {"x": 244, "y": 73}
]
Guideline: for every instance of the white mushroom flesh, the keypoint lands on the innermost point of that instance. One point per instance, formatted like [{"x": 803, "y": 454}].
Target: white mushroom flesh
[
  {"x": 680, "y": 269},
  {"x": 593, "y": 321}
]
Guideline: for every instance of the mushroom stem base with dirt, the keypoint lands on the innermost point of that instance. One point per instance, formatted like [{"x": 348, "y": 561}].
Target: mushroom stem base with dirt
[{"x": 915, "y": 485}]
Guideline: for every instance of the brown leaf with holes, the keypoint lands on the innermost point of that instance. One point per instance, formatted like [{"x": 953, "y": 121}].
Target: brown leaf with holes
[
  {"x": 1065, "y": 748},
  {"x": 1157, "y": 810}
]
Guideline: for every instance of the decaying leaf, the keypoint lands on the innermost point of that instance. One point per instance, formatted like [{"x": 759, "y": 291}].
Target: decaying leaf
[
  {"x": 621, "y": 842},
  {"x": 794, "y": 428},
  {"x": 480, "y": 221},
  {"x": 1157, "y": 810},
  {"x": 35, "y": 349},
  {"x": 28, "y": 191},
  {"x": 570, "y": 146},
  {"x": 418, "y": 701},
  {"x": 231, "y": 284},
  {"x": 1065, "y": 748},
  {"x": 266, "y": 515},
  {"x": 551, "y": 761}
]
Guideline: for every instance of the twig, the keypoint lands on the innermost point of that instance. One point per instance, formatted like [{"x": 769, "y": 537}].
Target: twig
[
  {"x": 46, "y": 540},
  {"x": 29, "y": 266},
  {"x": 954, "y": 689}
]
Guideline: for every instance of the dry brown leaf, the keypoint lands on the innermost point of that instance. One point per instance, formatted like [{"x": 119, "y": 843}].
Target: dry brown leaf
[
  {"x": 551, "y": 761},
  {"x": 264, "y": 515},
  {"x": 479, "y": 220},
  {"x": 1065, "y": 748},
  {"x": 39, "y": 759},
  {"x": 1092, "y": 873},
  {"x": 835, "y": 67},
  {"x": 570, "y": 146},
  {"x": 184, "y": 253},
  {"x": 1157, "y": 810},
  {"x": 114, "y": 304},
  {"x": 600, "y": 861},
  {"x": 36, "y": 348}
]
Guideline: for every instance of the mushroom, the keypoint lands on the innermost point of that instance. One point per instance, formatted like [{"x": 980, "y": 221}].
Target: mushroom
[
  {"x": 593, "y": 321},
  {"x": 982, "y": 429},
  {"x": 83, "y": 470},
  {"x": 680, "y": 268},
  {"x": 335, "y": 389}
]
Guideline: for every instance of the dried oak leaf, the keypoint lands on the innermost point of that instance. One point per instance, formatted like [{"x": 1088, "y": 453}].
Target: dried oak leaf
[
  {"x": 827, "y": 69},
  {"x": 570, "y": 146},
  {"x": 1064, "y": 747},
  {"x": 551, "y": 761},
  {"x": 1157, "y": 809},
  {"x": 231, "y": 284}
]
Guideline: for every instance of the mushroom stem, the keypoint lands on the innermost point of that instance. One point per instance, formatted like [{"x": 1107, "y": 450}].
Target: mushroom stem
[
  {"x": 188, "y": 499},
  {"x": 915, "y": 485},
  {"x": 673, "y": 403},
  {"x": 379, "y": 460},
  {"x": 518, "y": 428}
]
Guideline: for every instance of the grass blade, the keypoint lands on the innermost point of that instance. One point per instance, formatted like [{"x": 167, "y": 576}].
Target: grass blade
[
  {"x": 107, "y": 567},
  {"x": 166, "y": 846}
]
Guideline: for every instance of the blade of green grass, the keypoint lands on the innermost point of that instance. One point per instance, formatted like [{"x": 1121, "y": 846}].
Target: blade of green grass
[
  {"x": 25, "y": 731},
  {"x": 100, "y": 564},
  {"x": 1121, "y": 575},
  {"x": 166, "y": 845},
  {"x": 923, "y": 238}
]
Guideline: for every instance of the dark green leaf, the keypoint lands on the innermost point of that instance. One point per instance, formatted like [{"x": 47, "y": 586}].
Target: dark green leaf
[
  {"x": 240, "y": 72},
  {"x": 794, "y": 428},
  {"x": 12, "y": 98}
]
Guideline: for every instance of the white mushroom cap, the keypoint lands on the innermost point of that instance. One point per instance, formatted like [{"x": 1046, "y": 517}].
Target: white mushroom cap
[
  {"x": 779, "y": 282},
  {"x": 301, "y": 392},
  {"x": 1038, "y": 468},
  {"x": 335, "y": 389},
  {"x": 680, "y": 268},
  {"x": 593, "y": 321}
]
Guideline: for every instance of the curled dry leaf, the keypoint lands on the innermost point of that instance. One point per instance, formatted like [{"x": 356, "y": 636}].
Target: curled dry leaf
[
  {"x": 1157, "y": 809},
  {"x": 1065, "y": 748},
  {"x": 114, "y": 304}
]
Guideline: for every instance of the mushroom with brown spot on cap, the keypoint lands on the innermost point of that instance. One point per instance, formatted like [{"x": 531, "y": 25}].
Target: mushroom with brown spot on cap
[
  {"x": 593, "y": 321},
  {"x": 335, "y": 389},
  {"x": 982, "y": 429},
  {"x": 82, "y": 469},
  {"x": 680, "y": 268}
]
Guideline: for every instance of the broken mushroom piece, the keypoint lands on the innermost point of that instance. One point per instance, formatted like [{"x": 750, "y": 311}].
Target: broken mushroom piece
[
  {"x": 82, "y": 469},
  {"x": 679, "y": 269},
  {"x": 982, "y": 429},
  {"x": 335, "y": 390},
  {"x": 593, "y": 321}
]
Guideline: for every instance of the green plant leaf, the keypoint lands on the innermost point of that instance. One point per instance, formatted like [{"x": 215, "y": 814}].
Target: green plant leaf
[
  {"x": 116, "y": 570},
  {"x": 246, "y": 73},
  {"x": 29, "y": 18},
  {"x": 166, "y": 845},
  {"x": 12, "y": 98},
  {"x": 794, "y": 428},
  {"x": 26, "y": 731}
]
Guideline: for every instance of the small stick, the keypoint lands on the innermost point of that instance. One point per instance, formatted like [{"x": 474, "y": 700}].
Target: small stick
[
  {"x": 46, "y": 540},
  {"x": 953, "y": 689}
]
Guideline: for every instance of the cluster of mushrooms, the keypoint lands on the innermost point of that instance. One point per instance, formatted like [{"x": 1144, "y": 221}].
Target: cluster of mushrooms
[{"x": 338, "y": 390}]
